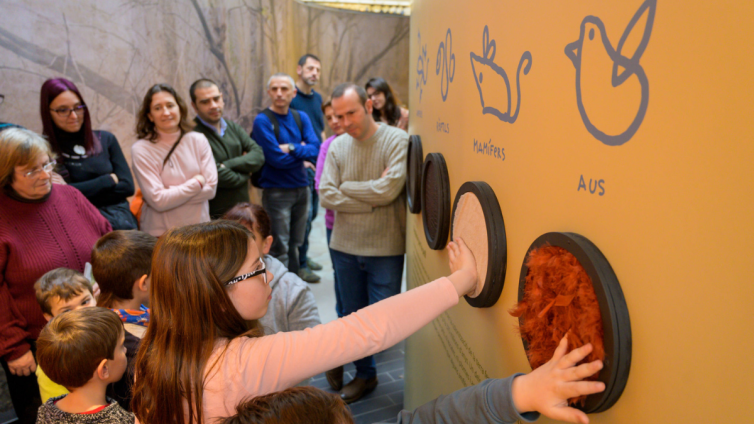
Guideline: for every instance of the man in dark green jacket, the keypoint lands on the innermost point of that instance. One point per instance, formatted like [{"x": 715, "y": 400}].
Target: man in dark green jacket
[{"x": 237, "y": 156}]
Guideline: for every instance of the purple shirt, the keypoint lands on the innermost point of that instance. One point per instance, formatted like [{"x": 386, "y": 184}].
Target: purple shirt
[{"x": 329, "y": 214}]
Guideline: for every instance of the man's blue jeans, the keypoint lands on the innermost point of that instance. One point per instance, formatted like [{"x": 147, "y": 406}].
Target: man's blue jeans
[
  {"x": 338, "y": 302},
  {"x": 362, "y": 281},
  {"x": 288, "y": 209}
]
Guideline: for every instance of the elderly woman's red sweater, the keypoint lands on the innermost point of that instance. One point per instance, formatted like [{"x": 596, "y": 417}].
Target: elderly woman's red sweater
[{"x": 36, "y": 238}]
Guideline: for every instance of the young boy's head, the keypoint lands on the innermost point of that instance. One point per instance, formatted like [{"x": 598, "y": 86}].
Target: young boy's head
[
  {"x": 62, "y": 290},
  {"x": 121, "y": 261},
  {"x": 297, "y": 405},
  {"x": 255, "y": 218},
  {"x": 83, "y": 346}
]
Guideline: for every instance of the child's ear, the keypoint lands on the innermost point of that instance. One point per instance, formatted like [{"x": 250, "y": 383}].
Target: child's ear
[
  {"x": 141, "y": 283},
  {"x": 47, "y": 316},
  {"x": 267, "y": 245},
  {"x": 103, "y": 370}
]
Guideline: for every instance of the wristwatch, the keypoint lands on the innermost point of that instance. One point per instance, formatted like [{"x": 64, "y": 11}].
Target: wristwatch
[{"x": 291, "y": 147}]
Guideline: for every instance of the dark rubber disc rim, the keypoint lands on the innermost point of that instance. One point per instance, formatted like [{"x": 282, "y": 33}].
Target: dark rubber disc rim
[
  {"x": 615, "y": 319},
  {"x": 415, "y": 160},
  {"x": 497, "y": 247},
  {"x": 437, "y": 237}
]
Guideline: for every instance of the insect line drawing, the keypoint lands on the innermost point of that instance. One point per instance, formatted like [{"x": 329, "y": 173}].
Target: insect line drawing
[
  {"x": 446, "y": 63},
  {"x": 422, "y": 64},
  {"x": 620, "y": 59},
  {"x": 480, "y": 64}
]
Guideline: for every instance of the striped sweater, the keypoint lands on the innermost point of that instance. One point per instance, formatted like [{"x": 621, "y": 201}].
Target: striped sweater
[{"x": 370, "y": 210}]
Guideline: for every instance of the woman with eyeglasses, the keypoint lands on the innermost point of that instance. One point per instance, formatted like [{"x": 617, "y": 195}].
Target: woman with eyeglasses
[
  {"x": 90, "y": 161},
  {"x": 43, "y": 226},
  {"x": 385, "y": 105},
  {"x": 173, "y": 165}
]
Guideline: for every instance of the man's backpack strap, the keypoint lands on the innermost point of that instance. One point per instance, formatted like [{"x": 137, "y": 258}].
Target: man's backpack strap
[
  {"x": 276, "y": 126},
  {"x": 297, "y": 118},
  {"x": 274, "y": 121}
]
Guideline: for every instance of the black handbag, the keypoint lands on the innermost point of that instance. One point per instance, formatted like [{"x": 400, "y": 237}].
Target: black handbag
[{"x": 119, "y": 216}]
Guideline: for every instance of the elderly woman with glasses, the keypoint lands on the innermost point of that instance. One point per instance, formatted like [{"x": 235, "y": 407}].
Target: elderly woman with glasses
[
  {"x": 43, "y": 226},
  {"x": 90, "y": 161}
]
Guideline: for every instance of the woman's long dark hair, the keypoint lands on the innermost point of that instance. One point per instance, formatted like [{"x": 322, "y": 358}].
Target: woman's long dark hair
[
  {"x": 391, "y": 111},
  {"x": 51, "y": 89},
  {"x": 145, "y": 128},
  {"x": 190, "y": 311}
]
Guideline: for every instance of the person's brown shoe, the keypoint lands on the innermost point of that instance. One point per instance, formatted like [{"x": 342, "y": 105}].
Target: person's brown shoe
[
  {"x": 335, "y": 378},
  {"x": 357, "y": 388}
]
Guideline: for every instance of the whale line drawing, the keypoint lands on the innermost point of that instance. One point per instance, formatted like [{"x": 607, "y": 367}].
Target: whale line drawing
[
  {"x": 446, "y": 63},
  {"x": 422, "y": 64},
  {"x": 489, "y": 49},
  {"x": 631, "y": 66}
]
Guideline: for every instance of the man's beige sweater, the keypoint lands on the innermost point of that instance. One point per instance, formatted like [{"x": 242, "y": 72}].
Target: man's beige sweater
[{"x": 370, "y": 210}]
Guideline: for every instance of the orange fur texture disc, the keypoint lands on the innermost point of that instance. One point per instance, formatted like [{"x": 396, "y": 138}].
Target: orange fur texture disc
[{"x": 558, "y": 297}]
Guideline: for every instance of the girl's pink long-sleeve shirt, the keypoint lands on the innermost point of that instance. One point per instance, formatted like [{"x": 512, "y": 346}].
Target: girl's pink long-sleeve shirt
[
  {"x": 257, "y": 366},
  {"x": 172, "y": 197}
]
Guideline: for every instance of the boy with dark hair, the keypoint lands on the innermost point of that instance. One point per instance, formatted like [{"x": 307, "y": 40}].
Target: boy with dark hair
[
  {"x": 58, "y": 291},
  {"x": 83, "y": 351},
  {"x": 121, "y": 263}
]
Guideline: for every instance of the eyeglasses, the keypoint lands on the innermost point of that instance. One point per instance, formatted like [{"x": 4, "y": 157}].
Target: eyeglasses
[
  {"x": 65, "y": 112},
  {"x": 262, "y": 270},
  {"x": 34, "y": 173}
]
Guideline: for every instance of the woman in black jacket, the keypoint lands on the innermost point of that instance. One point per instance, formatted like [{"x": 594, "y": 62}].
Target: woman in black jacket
[{"x": 92, "y": 161}]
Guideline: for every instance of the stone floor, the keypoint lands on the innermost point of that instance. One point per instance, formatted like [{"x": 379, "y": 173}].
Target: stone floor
[
  {"x": 381, "y": 405},
  {"x": 384, "y": 403},
  {"x": 387, "y": 399}
]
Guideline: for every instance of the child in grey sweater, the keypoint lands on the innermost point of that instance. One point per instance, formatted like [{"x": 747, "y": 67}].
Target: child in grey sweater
[{"x": 292, "y": 306}]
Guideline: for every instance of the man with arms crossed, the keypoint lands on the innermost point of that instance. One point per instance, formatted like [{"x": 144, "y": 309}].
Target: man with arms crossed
[
  {"x": 363, "y": 182},
  {"x": 286, "y": 146},
  {"x": 237, "y": 156}
]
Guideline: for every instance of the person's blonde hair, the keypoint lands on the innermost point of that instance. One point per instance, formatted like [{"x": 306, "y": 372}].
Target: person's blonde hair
[
  {"x": 72, "y": 345},
  {"x": 62, "y": 283},
  {"x": 20, "y": 147}
]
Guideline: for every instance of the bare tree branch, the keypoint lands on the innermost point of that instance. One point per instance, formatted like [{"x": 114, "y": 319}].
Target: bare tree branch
[
  {"x": 218, "y": 53},
  {"x": 46, "y": 58},
  {"x": 402, "y": 30},
  {"x": 338, "y": 47}
]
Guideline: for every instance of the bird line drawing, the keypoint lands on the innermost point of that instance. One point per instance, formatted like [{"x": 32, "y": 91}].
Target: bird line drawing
[
  {"x": 620, "y": 59},
  {"x": 486, "y": 63}
]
